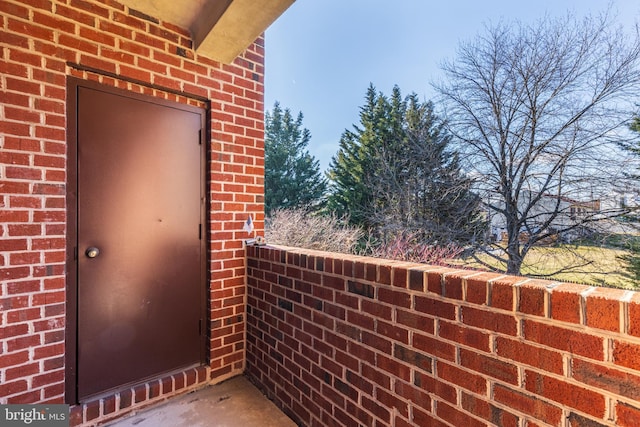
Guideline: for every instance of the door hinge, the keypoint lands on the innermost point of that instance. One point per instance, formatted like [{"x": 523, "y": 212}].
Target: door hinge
[
  {"x": 199, "y": 231},
  {"x": 200, "y": 137}
]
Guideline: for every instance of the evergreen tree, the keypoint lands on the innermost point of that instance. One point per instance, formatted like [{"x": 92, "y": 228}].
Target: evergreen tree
[
  {"x": 292, "y": 175},
  {"x": 395, "y": 174},
  {"x": 352, "y": 168}
]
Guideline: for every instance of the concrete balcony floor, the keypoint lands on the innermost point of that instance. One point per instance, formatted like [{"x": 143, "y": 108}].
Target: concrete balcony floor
[{"x": 233, "y": 403}]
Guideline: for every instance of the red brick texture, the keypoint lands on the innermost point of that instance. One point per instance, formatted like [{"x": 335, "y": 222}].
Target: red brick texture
[
  {"x": 339, "y": 340},
  {"x": 41, "y": 43}
]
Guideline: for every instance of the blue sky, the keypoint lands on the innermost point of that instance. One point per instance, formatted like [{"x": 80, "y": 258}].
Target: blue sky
[{"x": 321, "y": 55}]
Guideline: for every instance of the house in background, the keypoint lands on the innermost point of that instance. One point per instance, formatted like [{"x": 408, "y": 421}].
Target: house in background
[
  {"x": 131, "y": 135},
  {"x": 569, "y": 214}
]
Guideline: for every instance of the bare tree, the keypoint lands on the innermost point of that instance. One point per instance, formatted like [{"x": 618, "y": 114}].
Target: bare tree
[{"x": 538, "y": 111}]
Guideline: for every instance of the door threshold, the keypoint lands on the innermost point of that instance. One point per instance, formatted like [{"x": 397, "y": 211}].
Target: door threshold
[{"x": 108, "y": 407}]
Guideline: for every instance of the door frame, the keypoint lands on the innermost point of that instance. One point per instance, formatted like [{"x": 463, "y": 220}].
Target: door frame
[{"x": 71, "y": 263}]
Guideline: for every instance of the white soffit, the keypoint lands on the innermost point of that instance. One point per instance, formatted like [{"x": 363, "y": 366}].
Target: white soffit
[{"x": 221, "y": 29}]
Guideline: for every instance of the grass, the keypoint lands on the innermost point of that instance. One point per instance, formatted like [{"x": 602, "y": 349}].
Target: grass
[{"x": 604, "y": 267}]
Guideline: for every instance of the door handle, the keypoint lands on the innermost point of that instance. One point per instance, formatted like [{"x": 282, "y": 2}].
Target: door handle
[{"x": 92, "y": 252}]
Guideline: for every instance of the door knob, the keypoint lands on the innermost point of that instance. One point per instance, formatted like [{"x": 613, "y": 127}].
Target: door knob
[{"x": 92, "y": 252}]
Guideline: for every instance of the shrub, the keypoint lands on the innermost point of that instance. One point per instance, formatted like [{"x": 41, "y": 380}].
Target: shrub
[
  {"x": 409, "y": 247},
  {"x": 299, "y": 228}
]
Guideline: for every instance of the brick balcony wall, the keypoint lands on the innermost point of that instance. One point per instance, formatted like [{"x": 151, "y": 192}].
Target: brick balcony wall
[
  {"x": 42, "y": 43},
  {"x": 337, "y": 340}
]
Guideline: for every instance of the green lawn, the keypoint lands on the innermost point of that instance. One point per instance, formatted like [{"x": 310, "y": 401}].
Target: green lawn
[{"x": 604, "y": 268}]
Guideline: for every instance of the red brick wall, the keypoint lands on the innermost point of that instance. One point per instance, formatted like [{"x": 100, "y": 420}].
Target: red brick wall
[
  {"x": 40, "y": 42},
  {"x": 339, "y": 340}
]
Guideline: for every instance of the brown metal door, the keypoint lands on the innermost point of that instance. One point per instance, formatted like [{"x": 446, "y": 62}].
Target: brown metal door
[{"x": 139, "y": 226}]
